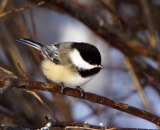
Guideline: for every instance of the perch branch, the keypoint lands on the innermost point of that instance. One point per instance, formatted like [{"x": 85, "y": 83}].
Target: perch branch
[{"x": 53, "y": 87}]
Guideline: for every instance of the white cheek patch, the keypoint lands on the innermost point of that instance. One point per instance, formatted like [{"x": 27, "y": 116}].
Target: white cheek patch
[{"x": 78, "y": 61}]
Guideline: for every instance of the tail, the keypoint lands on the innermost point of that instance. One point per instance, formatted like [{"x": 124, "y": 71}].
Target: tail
[
  {"x": 49, "y": 51},
  {"x": 31, "y": 43}
]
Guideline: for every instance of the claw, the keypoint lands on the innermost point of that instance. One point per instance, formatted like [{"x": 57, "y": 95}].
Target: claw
[
  {"x": 81, "y": 91},
  {"x": 62, "y": 87}
]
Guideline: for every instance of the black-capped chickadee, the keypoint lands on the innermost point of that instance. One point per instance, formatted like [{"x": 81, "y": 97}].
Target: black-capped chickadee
[{"x": 70, "y": 63}]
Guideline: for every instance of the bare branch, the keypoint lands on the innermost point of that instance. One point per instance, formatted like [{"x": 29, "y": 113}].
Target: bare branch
[
  {"x": 138, "y": 85},
  {"x": 110, "y": 33},
  {"x": 69, "y": 125},
  {"x": 24, "y": 74},
  {"x": 53, "y": 87},
  {"x": 34, "y": 94},
  {"x": 3, "y": 4},
  {"x": 150, "y": 22},
  {"x": 20, "y": 9}
]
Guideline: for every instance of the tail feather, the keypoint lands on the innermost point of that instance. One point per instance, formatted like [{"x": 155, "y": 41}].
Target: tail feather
[
  {"x": 31, "y": 43},
  {"x": 47, "y": 50}
]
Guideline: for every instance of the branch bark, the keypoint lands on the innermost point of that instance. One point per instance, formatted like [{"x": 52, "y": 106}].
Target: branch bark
[
  {"x": 53, "y": 87},
  {"x": 70, "y": 125}
]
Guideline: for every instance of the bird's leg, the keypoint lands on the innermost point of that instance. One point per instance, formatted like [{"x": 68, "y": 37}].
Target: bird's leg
[
  {"x": 80, "y": 90},
  {"x": 62, "y": 87}
]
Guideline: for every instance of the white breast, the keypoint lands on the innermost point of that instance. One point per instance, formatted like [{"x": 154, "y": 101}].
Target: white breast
[{"x": 59, "y": 73}]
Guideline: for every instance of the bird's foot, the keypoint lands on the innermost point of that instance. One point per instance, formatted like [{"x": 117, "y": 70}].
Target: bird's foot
[
  {"x": 62, "y": 87},
  {"x": 81, "y": 91}
]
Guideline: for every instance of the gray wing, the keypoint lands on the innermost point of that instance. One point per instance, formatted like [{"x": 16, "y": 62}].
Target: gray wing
[{"x": 49, "y": 50}]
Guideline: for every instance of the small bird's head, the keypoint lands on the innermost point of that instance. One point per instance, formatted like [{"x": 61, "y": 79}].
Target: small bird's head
[{"x": 85, "y": 56}]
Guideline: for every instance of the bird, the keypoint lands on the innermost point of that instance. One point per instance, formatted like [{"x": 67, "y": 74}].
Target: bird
[{"x": 71, "y": 64}]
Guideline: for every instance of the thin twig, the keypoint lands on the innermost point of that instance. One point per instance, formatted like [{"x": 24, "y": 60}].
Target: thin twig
[
  {"x": 33, "y": 24},
  {"x": 149, "y": 21},
  {"x": 2, "y": 5},
  {"x": 130, "y": 67},
  {"x": 24, "y": 74},
  {"x": 35, "y": 95},
  {"x": 138, "y": 85},
  {"x": 43, "y": 103},
  {"x": 21, "y": 9}
]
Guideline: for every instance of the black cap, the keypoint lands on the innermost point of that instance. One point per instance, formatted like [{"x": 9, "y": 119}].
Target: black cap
[{"x": 88, "y": 52}]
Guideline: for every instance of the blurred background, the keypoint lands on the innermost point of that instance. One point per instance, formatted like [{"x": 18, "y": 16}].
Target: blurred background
[{"x": 122, "y": 79}]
